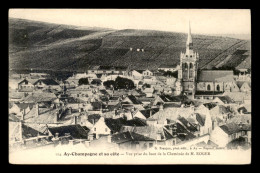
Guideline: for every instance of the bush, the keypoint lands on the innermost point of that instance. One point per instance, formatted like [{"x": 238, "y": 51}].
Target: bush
[{"x": 83, "y": 81}]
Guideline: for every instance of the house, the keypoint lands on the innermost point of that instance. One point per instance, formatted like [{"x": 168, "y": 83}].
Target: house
[
  {"x": 148, "y": 92},
  {"x": 106, "y": 126},
  {"x": 132, "y": 141},
  {"x": 130, "y": 99},
  {"x": 221, "y": 112},
  {"x": 16, "y": 96},
  {"x": 137, "y": 74},
  {"x": 159, "y": 133},
  {"x": 239, "y": 97},
  {"x": 108, "y": 70},
  {"x": 40, "y": 97},
  {"x": 146, "y": 113},
  {"x": 47, "y": 84},
  {"x": 225, "y": 134},
  {"x": 20, "y": 109},
  {"x": 224, "y": 100},
  {"x": 26, "y": 85},
  {"x": 75, "y": 131},
  {"x": 93, "y": 69},
  {"x": 168, "y": 99},
  {"x": 147, "y": 73},
  {"x": 74, "y": 103},
  {"x": 244, "y": 86},
  {"x": 166, "y": 67}
]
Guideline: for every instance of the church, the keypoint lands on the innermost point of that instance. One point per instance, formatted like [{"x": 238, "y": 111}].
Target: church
[{"x": 201, "y": 84}]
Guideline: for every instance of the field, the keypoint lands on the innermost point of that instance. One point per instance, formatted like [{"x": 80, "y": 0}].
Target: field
[{"x": 45, "y": 46}]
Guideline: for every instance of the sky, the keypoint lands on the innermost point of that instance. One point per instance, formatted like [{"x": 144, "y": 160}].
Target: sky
[{"x": 203, "y": 21}]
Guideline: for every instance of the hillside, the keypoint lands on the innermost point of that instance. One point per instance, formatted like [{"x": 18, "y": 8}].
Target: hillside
[{"x": 45, "y": 46}]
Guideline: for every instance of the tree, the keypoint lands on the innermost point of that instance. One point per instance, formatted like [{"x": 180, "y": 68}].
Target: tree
[
  {"x": 172, "y": 74},
  {"x": 109, "y": 84},
  {"x": 119, "y": 83},
  {"x": 124, "y": 83},
  {"x": 83, "y": 81}
]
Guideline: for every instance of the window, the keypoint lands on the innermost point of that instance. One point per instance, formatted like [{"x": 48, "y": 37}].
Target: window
[
  {"x": 191, "y": 65},
  {"x": 150, "y": 145},
  {"x": 105, "y": 129},
  {"x": 218, "y": 88},
  {"x": 208, "y": 87},
  {"x": 95, "y": 129}
]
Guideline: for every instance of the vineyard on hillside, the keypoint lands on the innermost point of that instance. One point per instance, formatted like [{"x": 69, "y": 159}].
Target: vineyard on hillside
[{"x": 37, "y": 45}]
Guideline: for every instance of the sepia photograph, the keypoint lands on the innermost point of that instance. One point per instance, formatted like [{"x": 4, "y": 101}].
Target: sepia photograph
[{"x": 129, "y": 86}]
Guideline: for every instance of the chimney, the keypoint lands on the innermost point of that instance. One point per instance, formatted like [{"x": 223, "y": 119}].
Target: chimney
[
  {"x": 171, "y": 129},
  {"x": 91, "y": 137},
  {"x": 161, "y": 107},
  {"x": 56, "y": 135},
  {"x": 55, "y": 141},
  {"x": 71, "y": 142},
  {"x": 23, "y": 114},
  {"x": 109, "y": 138},
  {"x": 151, "y": 112},
  {"x": 241, "y": 111},
  {"x": 87, "y": 143},
  {"x": 75, "y": 120},
  {"x": 37, "y": 109},
  {"x": 97, "y": 136},
  {"x": 56, "y": 117},
  {"x": 21, "y": 131},
  {"x": 158, "y": 136},
  {"x": 69, "y": 111}
]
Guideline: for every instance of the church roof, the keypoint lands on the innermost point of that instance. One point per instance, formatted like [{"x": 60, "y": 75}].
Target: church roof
[{"x": 215, "y": 76}]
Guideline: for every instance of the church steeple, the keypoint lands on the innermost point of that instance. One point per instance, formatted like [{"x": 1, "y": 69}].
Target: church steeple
[{"x": 189, "y": 43}]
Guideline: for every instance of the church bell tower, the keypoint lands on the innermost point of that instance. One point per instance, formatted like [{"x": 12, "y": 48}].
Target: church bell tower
[{"x": 187, "y": 74}]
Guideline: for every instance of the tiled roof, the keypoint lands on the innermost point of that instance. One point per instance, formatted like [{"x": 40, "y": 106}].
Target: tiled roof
[
  {"x": 47, "y": 117},
  {"x": 47, "y": 81},
  {"x": 40, "y": 97},
  {"x": 150, "y": 131},
  {"x": 115, "y": 124},
  {"x": 215, "y": 76},
  {"x": 134, "y": 100},
  {"x": 13, "y": 118},
  {"x": 147, "y": 112},
  {"x": 210, "y": 105},
  {"x": 16, "y": 95},
  {"x": 200, "y": 119},
  {"x": 187, "y": 124},
  {"x": 208, "y": 93},
  {"x": 129, "y": 136},
  {"x": 76, "y": 131},
  {"x": 232, "y": 128},
  {"x": 169, "y": 98},
  {"x": 29, "y": 132},
  {"x": 226, "y": 99},
  {"x": 135, "y": 122},
  {"x": 171, "y": 114},
  {"x": 25, "y": 105}
]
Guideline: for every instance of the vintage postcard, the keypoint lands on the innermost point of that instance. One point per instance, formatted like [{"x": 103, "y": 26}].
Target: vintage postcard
[{"x": 129, "y": 86}]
